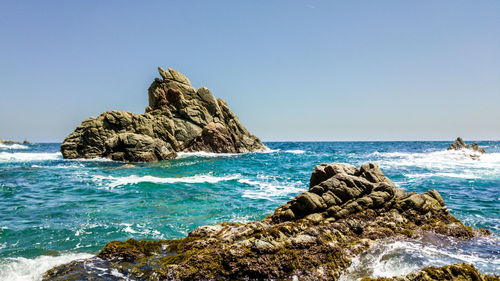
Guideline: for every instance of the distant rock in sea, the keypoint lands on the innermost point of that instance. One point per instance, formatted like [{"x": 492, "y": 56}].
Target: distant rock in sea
[
  {"x": 459, "y": 144},
  {"x": 315, "y": 236},
  {"x": 178, "y": 118},
  {"x": 2, "y": 141}
]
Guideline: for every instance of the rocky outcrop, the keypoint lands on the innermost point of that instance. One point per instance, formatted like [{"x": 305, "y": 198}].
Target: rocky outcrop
[
  {"x": 178, "y": 118},
  {"x": 455, "y": 272},
  {"x": 312, "y": 237},
  {"x": 460, "y": 144},
  {"x": 2, "y": 141}
]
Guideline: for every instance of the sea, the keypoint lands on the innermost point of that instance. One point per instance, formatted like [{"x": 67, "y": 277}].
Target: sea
[{"x": 53, "y": 211}]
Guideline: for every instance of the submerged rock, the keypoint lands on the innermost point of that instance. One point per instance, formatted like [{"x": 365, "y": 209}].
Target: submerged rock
[
  {"x": 460, "y": 144},
  {"x": 178, "y": 118},
  {"x": 312, "y": 237}
]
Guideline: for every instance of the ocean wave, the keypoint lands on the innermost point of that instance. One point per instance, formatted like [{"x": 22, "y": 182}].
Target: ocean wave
[
  {"x": 292, "y": 151},
  {"x": 181, "y": 155},
  {"x": 268, "y": 151},
  {"x": 61, "y": 166},
  {"x": 399, "y": 257},
  {"x": 141, "y": 229},
  {"x": 28, "y": 156},
  {"x": 445, "y": 163},
  {"x": 23, "y": 269},
  {"x": 295, "y": 151},
  {"x": 270, "y": 189},
  {"x": 445, "y": 175},
  {"x": 204, "y": 154},
  {"x": 112, "y": 182},
  {"x": 97, "y": 159},
  {"x": 12, "y": 146}
]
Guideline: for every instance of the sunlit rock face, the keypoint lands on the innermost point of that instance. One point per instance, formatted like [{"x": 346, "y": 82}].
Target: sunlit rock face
[{"x": 178, "y": 118}]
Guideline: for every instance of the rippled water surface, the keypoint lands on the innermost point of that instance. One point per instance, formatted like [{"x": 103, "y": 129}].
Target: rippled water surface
[{"x": 54, "y": 210}]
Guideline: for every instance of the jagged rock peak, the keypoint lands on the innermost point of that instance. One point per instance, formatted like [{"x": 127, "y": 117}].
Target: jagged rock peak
[
  {"x": 172, "y": 74},
  {"x": 178, "y": 118},
  {"x": 460, "y": 144}
]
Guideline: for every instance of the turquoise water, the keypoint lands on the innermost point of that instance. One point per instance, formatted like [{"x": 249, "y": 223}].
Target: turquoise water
[{"x": 54, "y": 210}]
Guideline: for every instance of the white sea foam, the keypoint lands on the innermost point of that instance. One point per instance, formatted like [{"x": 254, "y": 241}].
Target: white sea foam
[
  {"x": 267, "y": 188},
  {"x": 27, "y": 156},
  {"x": 66, "y": 165},
  {"x": 23, "y": 269},
  {"x": 446, "y": 175},
  {"x": 267, "y": 151},
  {"x": 112, "y": 182},
  {"x": 400, "y": 257},
  {"x": 181, "y": 155},
  {"x": 295, "y": 151},
  {"x": 204, "y": 154},
  {"x": 141, "y": 229},
  {"x": 12, "y": 146},
  {"x": 292, "y": 151},
  {"x": 447, "y": 163}
]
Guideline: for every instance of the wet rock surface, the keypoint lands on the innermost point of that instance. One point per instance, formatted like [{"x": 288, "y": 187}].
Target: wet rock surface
[
  {"x": 178, "y": 118},
  {"x": 312, "y": 237}
]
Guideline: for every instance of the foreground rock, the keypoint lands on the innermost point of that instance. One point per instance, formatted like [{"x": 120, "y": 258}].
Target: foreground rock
[
  {"x": 312, "y": 237},
  {"x": 458, "y": 272},
  {"x": 178, "y": 118},
  {"x": 460, "y": 144}
]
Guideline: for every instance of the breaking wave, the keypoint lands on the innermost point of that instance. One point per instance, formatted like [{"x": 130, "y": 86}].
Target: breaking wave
[
  {"x": 12, "y": 146},
  {"x": 27, "y": 156},
  {"x": 399, "y": 257},
  {"x": 23, "y": 269},
  {"x": 204, "y": 154},
  {"x": 270, "y": 188},
  {"x": 112, "y": 182},
  {"x": 181, "y": 155},
  {"x": 448, "y": 163}
]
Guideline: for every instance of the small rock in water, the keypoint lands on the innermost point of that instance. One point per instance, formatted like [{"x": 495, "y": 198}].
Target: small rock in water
[
  {"x": 9, "y": 142},
  {"x": 460, "y": 144}
]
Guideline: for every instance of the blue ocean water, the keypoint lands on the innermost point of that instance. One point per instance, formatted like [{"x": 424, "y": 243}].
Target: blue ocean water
[{"x": 54, "y": 210}]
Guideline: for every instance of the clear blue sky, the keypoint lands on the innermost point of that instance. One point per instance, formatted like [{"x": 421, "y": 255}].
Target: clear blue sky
[{"x": 291, "y": 70}]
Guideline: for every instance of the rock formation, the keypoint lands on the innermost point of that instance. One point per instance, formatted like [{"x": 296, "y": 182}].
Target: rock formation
[
  {"x": 312, "y": 237},
  {"x": 460, "y": 144},
  {"x": 2, "y": 141},
  {"x": 178, "y": 118}
]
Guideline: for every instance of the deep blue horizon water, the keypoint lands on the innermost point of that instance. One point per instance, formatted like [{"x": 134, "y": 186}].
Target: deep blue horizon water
[{"x": 54, "y": 210}]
